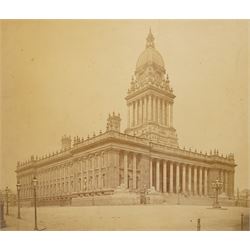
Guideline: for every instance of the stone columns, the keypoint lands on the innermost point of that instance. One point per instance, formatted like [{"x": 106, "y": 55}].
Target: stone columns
[
  {"x": 93, "y": 172},
  {"x": 135, "y": 120},
  {"x": 87, "y": 173},
  {"x": 164, "y": 176},
  {"x": 200, "y": 180},
  {"x": 177, "y": 184},
  {"x": 195, "y": 180},
  {"x": 150, "y": 173},
  {"x": 153, "y": 109},
  {"x": 226, "y": 182},
  {"x": 167, "y": 114},
  {"x": 134, "y": 171},
  {"x": 100, "y": 171},
  {"x": 171, "y": 115},
  {"x": 158, "y": 175},
  {"x": 158, "y": 111},
  {"x": 125, "y": 165},
  {"x": 140, "y": 112},
  {"x": 150, "y": 108},
  {"x": 143, "y": 109},
  {"x": 205, "y": 181},
  {"x": 171, "y": 177},
  {"x": 189, "y": 179},
  {"x": 183, "y": 178},
  {"x": 163, "y": 113},
  {"x": 129, "y": 115},
  {"x": 145, "y": 105},
  {"x": 146, "y": 108},
  {"x": 137, "y": 112},
  {"x": 133, "y": 114},
  {"x": 80, "y": 176}
]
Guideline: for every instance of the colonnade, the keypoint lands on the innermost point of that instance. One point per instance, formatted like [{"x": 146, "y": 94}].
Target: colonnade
[
  {"x": 177, "y": 177},
  {"x": 90, "y": 173},
  {"x": 150, "y": 108}
]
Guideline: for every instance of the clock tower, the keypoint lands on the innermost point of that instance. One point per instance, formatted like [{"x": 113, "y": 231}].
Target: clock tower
[{"x": 150, "y": 99}]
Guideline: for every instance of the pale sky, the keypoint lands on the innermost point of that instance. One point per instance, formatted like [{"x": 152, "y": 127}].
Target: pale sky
[{"x": 64, "y": 77}]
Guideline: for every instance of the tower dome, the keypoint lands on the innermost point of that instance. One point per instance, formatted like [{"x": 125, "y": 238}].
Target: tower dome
[{"x": 150, "y": 56}]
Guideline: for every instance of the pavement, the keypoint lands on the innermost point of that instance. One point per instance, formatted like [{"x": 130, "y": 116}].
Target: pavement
[{"x": 134, "y": 217}]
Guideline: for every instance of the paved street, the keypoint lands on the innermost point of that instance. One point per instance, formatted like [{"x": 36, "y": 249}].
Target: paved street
[{"x": 149, "y": 217}]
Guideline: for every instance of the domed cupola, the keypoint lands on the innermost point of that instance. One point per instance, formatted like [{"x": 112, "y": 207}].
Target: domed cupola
[{"x": 150, "y": 56}]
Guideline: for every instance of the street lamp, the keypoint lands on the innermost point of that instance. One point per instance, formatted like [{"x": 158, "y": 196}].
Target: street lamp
[
  {"x": 35, "y": 185},
  {"x": 7, "y": 200},
  {"x": 217, "y": 185},
  {"x": 18, "y": 187}
]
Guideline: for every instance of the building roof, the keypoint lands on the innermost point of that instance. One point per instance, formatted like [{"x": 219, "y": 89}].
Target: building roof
[{"x": 150, "y": 55}]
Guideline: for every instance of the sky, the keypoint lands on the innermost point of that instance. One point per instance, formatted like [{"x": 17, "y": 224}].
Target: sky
[{"x": 65, "y": 77}]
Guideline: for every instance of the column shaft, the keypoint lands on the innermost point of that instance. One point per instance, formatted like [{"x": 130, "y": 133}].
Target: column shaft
[
  {"x": 200, "y": 181},
  {"x": 177, "y": 184},
  {"x": 171, "y": 115},
  {"x": 125, "y": 166},
  {"x": 205, "y": 181},
  {"x": 153, "y": 109},
  {"x": 150, "y": 108},
  {"x": 163, "y": 113},
  {"x": 157, "y": 175},
  {"x": 158, "y": 111},
  {"x": 133, "y": 119},
  {"x": 134, "y": 171},
  {"x": 164, "y": 177},
  {"x": 183, "y": 178},
  {"x": 226, "y": 182},
  {"x": 140, "y": 111},
  {"x": 129, "y": 115},
  {"x": 167, "y": 114},
  {"x": 150, "y": 173},
  {"x": 171, "y": 178},
  {"x": 195, "y": 180},
  {"x": 100, "y": 171},
  {"x": 189, "y": 179}
]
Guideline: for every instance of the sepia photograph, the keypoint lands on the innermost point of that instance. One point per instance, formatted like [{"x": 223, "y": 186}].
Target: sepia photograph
[{"x": 124, "y": 125}]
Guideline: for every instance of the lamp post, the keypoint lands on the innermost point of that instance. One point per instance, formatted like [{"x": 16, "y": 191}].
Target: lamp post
[
  {"x": 217, "y": 185},
  {"x": 34, "y": 186},
  {"x": 7, "y": 200},
  {"x": 18, "y": 187}
]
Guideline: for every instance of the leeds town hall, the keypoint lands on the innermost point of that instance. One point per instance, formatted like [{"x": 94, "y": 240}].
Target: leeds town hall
[{"x": 116, "y": 167}]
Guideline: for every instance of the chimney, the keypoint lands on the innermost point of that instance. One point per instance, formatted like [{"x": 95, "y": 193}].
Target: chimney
[
  {"x": 114, "y": 122},
  {"x": 66, "y": 142}
]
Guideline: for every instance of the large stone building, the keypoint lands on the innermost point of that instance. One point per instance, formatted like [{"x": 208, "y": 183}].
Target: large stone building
[{"x": 145, "y": 155}]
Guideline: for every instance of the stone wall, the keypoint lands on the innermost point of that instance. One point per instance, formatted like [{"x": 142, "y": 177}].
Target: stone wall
[{"x": 112, "y": 199}]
